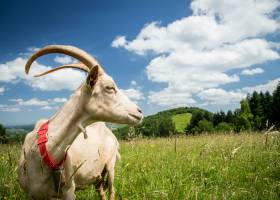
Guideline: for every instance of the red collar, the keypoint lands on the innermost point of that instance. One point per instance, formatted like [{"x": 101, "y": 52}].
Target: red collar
[{"x": 43, "y": 139}]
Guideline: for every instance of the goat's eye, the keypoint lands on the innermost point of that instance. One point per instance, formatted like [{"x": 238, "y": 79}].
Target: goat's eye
[{"x": 110, "y": 89}]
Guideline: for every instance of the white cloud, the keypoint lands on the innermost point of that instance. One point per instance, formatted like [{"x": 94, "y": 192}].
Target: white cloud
[
  {"x": 133, "y": 83},
  {"x": 32, "y": 102},
  {"x": 171, "y": 97},
  {"x": 59, "y": 100},
  {"x": 268, "y": 86},
  {"x": 47, "y": 108},
  {"x": 134, "y": 92},
  {"x": 64, "y": 60},
  {"x": 13, "y": 72},
  {"x": 119, "y": 41},
  {"x": 195, "y": 53},
  {"x": 48, "y": 104},
  {"x": 20, "y": 104},
  {"x": 251, "y": 72},
  {"x": 8, "y": 108},
  {"x": 218, "y": 96},
  {"x": 33, "y": 49},
  {"x": 2, "y": 90}
]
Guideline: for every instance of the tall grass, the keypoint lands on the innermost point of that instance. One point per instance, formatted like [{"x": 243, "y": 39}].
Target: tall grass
[{"x": 200, "y": 167}]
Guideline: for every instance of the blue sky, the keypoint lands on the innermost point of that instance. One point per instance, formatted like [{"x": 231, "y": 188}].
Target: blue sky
[{"x": 161, "y": 53}]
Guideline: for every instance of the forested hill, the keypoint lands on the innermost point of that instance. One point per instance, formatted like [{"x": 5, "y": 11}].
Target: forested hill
[
  {"x": 257, "y": 112},
  {"x": 26, "y": 128},
  {"x": 163, "y": 123}
]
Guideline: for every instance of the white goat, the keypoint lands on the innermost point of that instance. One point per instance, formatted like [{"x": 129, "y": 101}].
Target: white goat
[
  {"x": 98, "y": 99},
  {"x": 97, "y": 157}
]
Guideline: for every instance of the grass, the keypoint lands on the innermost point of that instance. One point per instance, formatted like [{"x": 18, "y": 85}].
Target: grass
[
  {"x": 200, "y": 167},
  {"x": 181, "y": 121}
]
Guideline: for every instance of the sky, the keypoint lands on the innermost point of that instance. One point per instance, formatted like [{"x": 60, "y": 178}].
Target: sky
[{"x": 162, "y": 54}]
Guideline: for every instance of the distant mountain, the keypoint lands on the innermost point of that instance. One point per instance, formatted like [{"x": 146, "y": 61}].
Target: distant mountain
[
  {"x": 26, "y": 128},
  {"x": 30, "y": 127},
  {"x": 113, "y": 126}
]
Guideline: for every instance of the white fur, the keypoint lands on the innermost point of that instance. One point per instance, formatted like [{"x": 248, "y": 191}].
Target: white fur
[{"x": 89, "y": 104}]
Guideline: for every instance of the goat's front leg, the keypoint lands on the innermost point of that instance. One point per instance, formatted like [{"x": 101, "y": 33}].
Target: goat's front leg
[
  {"x": 100, "y": 186},
  {"x": 101, "y": 191},
  {"x": 110, "y": 168},
  {"x": 69, "y": 193},
  {"x": 110, "y": 183},
  {"x": 68, "y": 190}
]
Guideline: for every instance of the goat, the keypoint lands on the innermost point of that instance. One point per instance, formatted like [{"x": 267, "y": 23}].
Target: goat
[
  {"x": 98, "y": 99},
  {"x": 100, "y": 149}
]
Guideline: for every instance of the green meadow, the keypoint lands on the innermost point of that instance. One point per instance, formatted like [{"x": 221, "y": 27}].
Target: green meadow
[
  {"x": 181, "y": 121},
  {"x": 237, "y": 166}
]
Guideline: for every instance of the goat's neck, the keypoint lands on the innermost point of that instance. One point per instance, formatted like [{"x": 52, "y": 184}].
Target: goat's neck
[{"x": 64, "y": 126}]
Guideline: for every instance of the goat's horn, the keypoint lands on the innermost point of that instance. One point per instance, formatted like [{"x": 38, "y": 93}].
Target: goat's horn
[
  {"x": 74, "y": 65},
  {"x": 75, "y": 52}
]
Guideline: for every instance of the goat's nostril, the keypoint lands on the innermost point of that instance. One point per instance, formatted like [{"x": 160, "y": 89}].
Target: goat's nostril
[{"x": 139, "y": 110}]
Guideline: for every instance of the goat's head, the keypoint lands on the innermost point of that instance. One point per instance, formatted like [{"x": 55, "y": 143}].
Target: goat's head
[{"x": 101, "y": 98}]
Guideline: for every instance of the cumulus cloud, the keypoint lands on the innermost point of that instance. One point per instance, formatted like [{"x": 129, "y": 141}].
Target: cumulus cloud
[
  {"x": 268, "y": 86},
  {"x": 13, "y": 72},
  {"x": 49, "y": 108},
  {"x": 134, "y": 92},
  {"x": 119, "y": 41},
  {"x": 8, "y": 108},
  {"x": 59, "y": 100},
  {"x": 38, "y": 102},
  {"x": 133, "y": 83},
  {"x": 218, "y": 96},
  {"x": 251, "y": 72},
  {"x": 33, "y": 49},
  {"x": 2, "y": 90},
  {"x": 64, "y": 60},
  {"x": 195, "y": 53},
  {"x": 19, "y": 104},
  {"x": 171, "y": 97},
  {"x": 30, "y": 102}
]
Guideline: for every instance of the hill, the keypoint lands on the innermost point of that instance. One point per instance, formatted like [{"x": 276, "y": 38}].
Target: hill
[
  {"x": 20, "y": 128},
  {"x": 164, "y": 123}
]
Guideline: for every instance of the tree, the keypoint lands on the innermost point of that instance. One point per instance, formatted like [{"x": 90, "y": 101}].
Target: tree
[
  {"x": 203, "y": 126},
  {"x": 266, "y": 103},
  {"x": 224, "y": 127},
  {"x": 166, "y": 126},
  {"x": 244, "y": 120},
  {"x": 257, "y": 110},
  {"x": 230, "y": 117},
  {"x": 121, "y": 133},
  {"x": 218, "y": 118},
  {"x": 276, "y": 106},
  {"x": 197, "y": 116},
  {"x": 3, "y": 135}
]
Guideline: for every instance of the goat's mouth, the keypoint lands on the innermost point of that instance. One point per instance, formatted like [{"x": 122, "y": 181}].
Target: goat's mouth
[{"x": 136, "y": 118}]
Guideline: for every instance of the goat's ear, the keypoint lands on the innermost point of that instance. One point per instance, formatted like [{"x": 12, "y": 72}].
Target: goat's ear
[{"x": 92, "y": 76}]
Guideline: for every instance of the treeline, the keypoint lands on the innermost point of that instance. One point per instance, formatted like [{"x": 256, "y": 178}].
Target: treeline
[
  {"x": 7, "y": 137},
  {"x": 258, "y": 111},
  {"x": 158, "y": 125}
]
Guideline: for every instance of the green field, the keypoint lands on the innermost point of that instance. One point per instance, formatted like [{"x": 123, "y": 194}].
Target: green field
[
  {"x": 244, "y": 166},
  {"x": 181, "y": 121}
]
